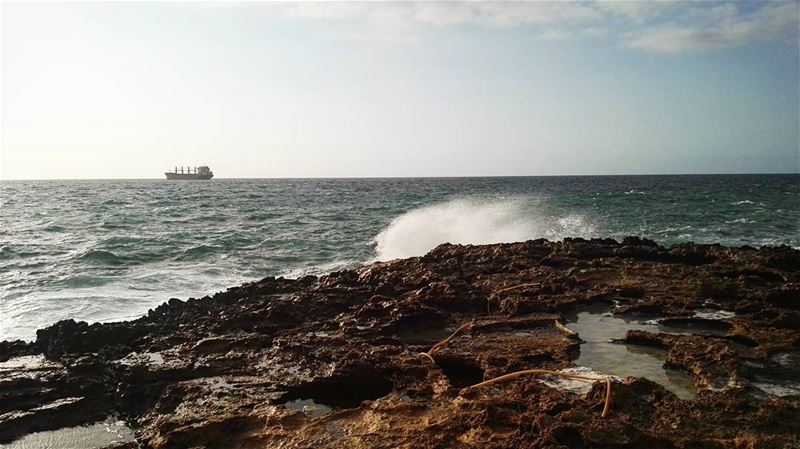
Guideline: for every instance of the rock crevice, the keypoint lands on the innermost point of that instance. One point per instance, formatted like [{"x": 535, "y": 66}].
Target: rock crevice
[{"x": 221, "y": 371}]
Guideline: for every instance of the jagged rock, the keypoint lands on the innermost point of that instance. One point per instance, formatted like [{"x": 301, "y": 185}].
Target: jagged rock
[{"x": 335, "y": 361}]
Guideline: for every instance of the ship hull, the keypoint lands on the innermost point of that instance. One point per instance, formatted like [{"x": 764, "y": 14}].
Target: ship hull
[{"x": 188, "y": 176}]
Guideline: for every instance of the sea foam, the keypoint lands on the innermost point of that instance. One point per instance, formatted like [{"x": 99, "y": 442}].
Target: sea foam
[{"x": 475, "y": 221}]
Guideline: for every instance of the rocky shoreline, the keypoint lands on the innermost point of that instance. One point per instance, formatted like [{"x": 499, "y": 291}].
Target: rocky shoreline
[{"x": 351, "y": 359}]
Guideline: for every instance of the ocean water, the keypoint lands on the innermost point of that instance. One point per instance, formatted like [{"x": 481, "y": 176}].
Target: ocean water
[{"x": 110, "y": 250}]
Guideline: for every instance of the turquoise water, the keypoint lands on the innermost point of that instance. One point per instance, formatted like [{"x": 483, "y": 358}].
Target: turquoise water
[{"x": 109, "y": 250}]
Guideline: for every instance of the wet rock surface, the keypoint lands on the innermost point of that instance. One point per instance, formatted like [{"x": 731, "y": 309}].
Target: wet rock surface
[{"x": 336, "y": 361}]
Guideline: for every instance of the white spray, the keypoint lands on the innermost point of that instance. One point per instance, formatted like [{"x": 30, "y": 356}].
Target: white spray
[{"x": 475, "y": 221}]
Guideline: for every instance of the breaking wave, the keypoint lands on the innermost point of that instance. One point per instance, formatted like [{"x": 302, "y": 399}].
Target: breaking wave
[{"x": 476, "y": 221}]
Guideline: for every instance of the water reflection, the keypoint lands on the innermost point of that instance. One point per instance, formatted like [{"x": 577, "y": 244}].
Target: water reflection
[
  {"x": 597, "y": 327},
  {"x": 95, "y": 436}
]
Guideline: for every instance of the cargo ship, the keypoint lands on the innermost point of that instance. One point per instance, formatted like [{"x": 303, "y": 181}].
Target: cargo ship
[{"x": 191, "y": 173}]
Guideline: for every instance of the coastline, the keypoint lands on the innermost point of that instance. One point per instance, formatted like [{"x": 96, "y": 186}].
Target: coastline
[
  {"x": 219, "y": 371},
  {"x": 125, "y": 247}
]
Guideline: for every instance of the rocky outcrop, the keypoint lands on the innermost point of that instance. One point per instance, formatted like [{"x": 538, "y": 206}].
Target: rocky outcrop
[{"x": 336, "y": 361}]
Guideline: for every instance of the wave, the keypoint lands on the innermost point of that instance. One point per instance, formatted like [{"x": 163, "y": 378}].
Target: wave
[
  {"x": 100, "y": 257},
  {"x": 476, "y": 221},
  {"x": 81, "y": 281},
  {"x": 740, "y": 220},
  {"x": 320, "y": 269},
  {"x": 114, "y": 202},
  {"x": 198, "y": 252},
  {"x": 54, "y": 228},
  {"x": 111, "y": 225},
  {"x": 125, "y": 240},
  {"x": 6, "y": 252}
]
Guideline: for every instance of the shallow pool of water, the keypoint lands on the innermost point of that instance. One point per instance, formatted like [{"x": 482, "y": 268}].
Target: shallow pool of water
[
  {"x": 309, "y": 407},
  {"x": 94, "y": 436},
  {"x": 597, "y": 327},
  {"x": 779, "y": 375}
]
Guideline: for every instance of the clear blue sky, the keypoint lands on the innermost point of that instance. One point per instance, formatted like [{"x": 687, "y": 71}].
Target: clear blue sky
[{"x": 127, "y": 90}]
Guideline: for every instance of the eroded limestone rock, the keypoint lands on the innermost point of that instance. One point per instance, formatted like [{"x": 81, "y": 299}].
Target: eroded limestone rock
[{"x": 228, "y": 371}]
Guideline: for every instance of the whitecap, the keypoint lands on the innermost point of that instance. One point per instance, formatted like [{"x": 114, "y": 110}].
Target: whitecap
[
  {"x": 476, "y": 221},
  {"x": 319, "y": 269}
]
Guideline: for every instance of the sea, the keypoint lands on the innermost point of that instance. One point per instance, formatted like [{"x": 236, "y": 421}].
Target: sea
[{"x": 107, "y": 250}]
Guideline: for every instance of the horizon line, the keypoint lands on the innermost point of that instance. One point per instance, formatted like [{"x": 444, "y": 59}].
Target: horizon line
[{"x": 413, "y": 177}]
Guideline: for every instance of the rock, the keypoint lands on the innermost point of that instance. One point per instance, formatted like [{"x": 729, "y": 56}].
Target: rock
[
  {"x": 16, "y": 348},
  {"x": 336, "y": 361}
]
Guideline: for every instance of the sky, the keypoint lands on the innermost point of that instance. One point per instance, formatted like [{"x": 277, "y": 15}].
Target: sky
[{"x": 129, "y": 90}]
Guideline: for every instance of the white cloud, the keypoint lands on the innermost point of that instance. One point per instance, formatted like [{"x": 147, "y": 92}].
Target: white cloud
[
  {"x": 713, "y": 15},
  {"x": 508, "y": 14},
  {"x": 772, "y": 21},
  {"x": 442, "y": 14},
  {"x": 654, "y": 26},
  {"x": 638, "y": 10},
  {"x": 485, "y": 13},
  {"x": 400, "y": 22},
  {"x": 593, "y": 32},
  {"x": 555, "y": 35}
]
